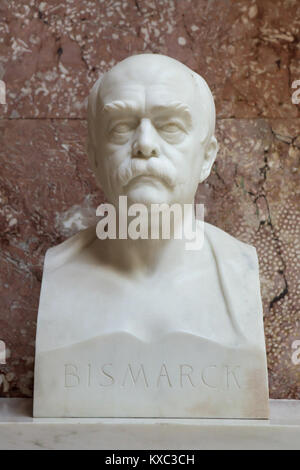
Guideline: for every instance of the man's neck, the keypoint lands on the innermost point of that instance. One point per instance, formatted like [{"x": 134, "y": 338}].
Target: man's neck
[{"x": 149, "y": 256}]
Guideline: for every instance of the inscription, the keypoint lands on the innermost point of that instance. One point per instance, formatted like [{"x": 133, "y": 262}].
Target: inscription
[
  {"x": 135, "y": 378},
  {"x": 212, "y": 376},
  {"x": 72, "y": 379}
]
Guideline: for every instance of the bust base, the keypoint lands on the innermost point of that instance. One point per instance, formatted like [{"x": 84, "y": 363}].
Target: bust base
[{"x": 18, "y": 430}]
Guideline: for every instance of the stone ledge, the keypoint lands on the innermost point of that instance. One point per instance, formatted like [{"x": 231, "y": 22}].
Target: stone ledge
[{"x": 18, "y": 430}]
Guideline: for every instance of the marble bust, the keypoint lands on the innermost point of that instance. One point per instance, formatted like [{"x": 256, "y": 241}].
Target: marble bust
[{"x": 144, "y": 327}]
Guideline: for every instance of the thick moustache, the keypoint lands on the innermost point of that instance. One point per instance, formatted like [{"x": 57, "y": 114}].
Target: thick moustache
[{"x": 162, "y": 170}]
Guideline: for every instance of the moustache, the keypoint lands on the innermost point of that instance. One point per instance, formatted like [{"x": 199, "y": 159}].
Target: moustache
[{"x": 161, "y": 169}]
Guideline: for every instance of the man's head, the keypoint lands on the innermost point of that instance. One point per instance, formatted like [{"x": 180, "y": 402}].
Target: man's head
[{"x": 151, "y": 130}]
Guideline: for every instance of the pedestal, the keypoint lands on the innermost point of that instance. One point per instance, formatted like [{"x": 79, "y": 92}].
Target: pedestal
[{"x": 18, "y": 430}]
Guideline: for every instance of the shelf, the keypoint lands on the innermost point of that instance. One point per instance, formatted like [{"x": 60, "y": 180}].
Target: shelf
[{"x": 18, "y": 430}]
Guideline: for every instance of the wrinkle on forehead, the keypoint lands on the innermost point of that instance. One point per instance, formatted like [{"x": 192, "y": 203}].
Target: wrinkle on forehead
[
  {"x": 145, "y": 96},
  {"x": 119, "y": 107},
  {"x": 148, "y": 71}
]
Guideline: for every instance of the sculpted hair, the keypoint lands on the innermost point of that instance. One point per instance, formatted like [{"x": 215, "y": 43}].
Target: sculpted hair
[{"x": 207, "y": 104}]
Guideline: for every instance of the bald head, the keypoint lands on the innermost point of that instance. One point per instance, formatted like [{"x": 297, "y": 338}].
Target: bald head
[
  {"x": 151, "y": 70},
  {"x": 146, "y": 106},
  {"x": 155, "y": 70}
]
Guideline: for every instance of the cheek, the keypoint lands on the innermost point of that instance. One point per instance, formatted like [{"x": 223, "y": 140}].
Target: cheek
[
  {"x": 110, "y": 156},
  {"x": 181, "y": 154},
  {"x": 114, "y": 154}
]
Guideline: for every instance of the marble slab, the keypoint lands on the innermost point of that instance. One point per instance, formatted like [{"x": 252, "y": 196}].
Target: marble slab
[
  {"x": 18, "y": 430},
  {"x": 180, "y": 376},
  {"x": 54, "y": 51}
]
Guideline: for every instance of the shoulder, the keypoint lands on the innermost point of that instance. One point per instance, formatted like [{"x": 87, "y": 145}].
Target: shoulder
[
  {"x": 230, "y": 247},
  {"x": 64, "y": 252},
  {"x": 238, "y": 271}
]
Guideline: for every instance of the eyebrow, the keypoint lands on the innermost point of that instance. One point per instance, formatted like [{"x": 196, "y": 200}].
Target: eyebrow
[
  {"x": 176, "y": 107},
  {"x": 120, "y": 105}
]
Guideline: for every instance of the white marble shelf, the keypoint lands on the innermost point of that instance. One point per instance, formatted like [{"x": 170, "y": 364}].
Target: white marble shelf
[{"x": 18, "y": 430}]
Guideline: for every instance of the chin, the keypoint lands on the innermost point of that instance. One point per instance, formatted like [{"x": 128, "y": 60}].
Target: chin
[{"x": 148, "y": 194}]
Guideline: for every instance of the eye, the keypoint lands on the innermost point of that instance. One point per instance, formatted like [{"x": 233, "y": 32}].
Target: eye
[
  {"x": 171, "y": 128},
  {"x": 122, "y": 128}
]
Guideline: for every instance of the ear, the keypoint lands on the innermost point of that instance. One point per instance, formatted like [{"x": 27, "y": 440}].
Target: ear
[
  {"x": 209, "y": 158},
  {"x": 92, "y": 117}
]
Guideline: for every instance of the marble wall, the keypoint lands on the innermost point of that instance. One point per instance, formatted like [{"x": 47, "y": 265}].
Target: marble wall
[{"x": 50, "y": 55}]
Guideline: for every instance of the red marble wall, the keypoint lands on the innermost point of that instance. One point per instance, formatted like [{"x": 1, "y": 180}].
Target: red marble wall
[{"x": 50, "y": 55}]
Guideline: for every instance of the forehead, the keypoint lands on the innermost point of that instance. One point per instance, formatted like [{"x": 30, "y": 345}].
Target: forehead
[{"x": 149, "y": 86}]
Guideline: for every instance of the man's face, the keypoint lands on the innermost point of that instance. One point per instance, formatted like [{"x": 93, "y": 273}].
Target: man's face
[{"x": 148, "y": 145}]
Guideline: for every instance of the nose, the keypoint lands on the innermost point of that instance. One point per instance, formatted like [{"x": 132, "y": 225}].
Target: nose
[{"x": 145, "y": 145}]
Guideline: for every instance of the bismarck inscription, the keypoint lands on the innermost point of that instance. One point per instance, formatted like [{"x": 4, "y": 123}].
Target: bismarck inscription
[{"x": 218, "y": 377}]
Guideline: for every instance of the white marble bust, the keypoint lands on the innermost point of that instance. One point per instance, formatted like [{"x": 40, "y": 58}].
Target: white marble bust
[{"x": 145, "y": 327}]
